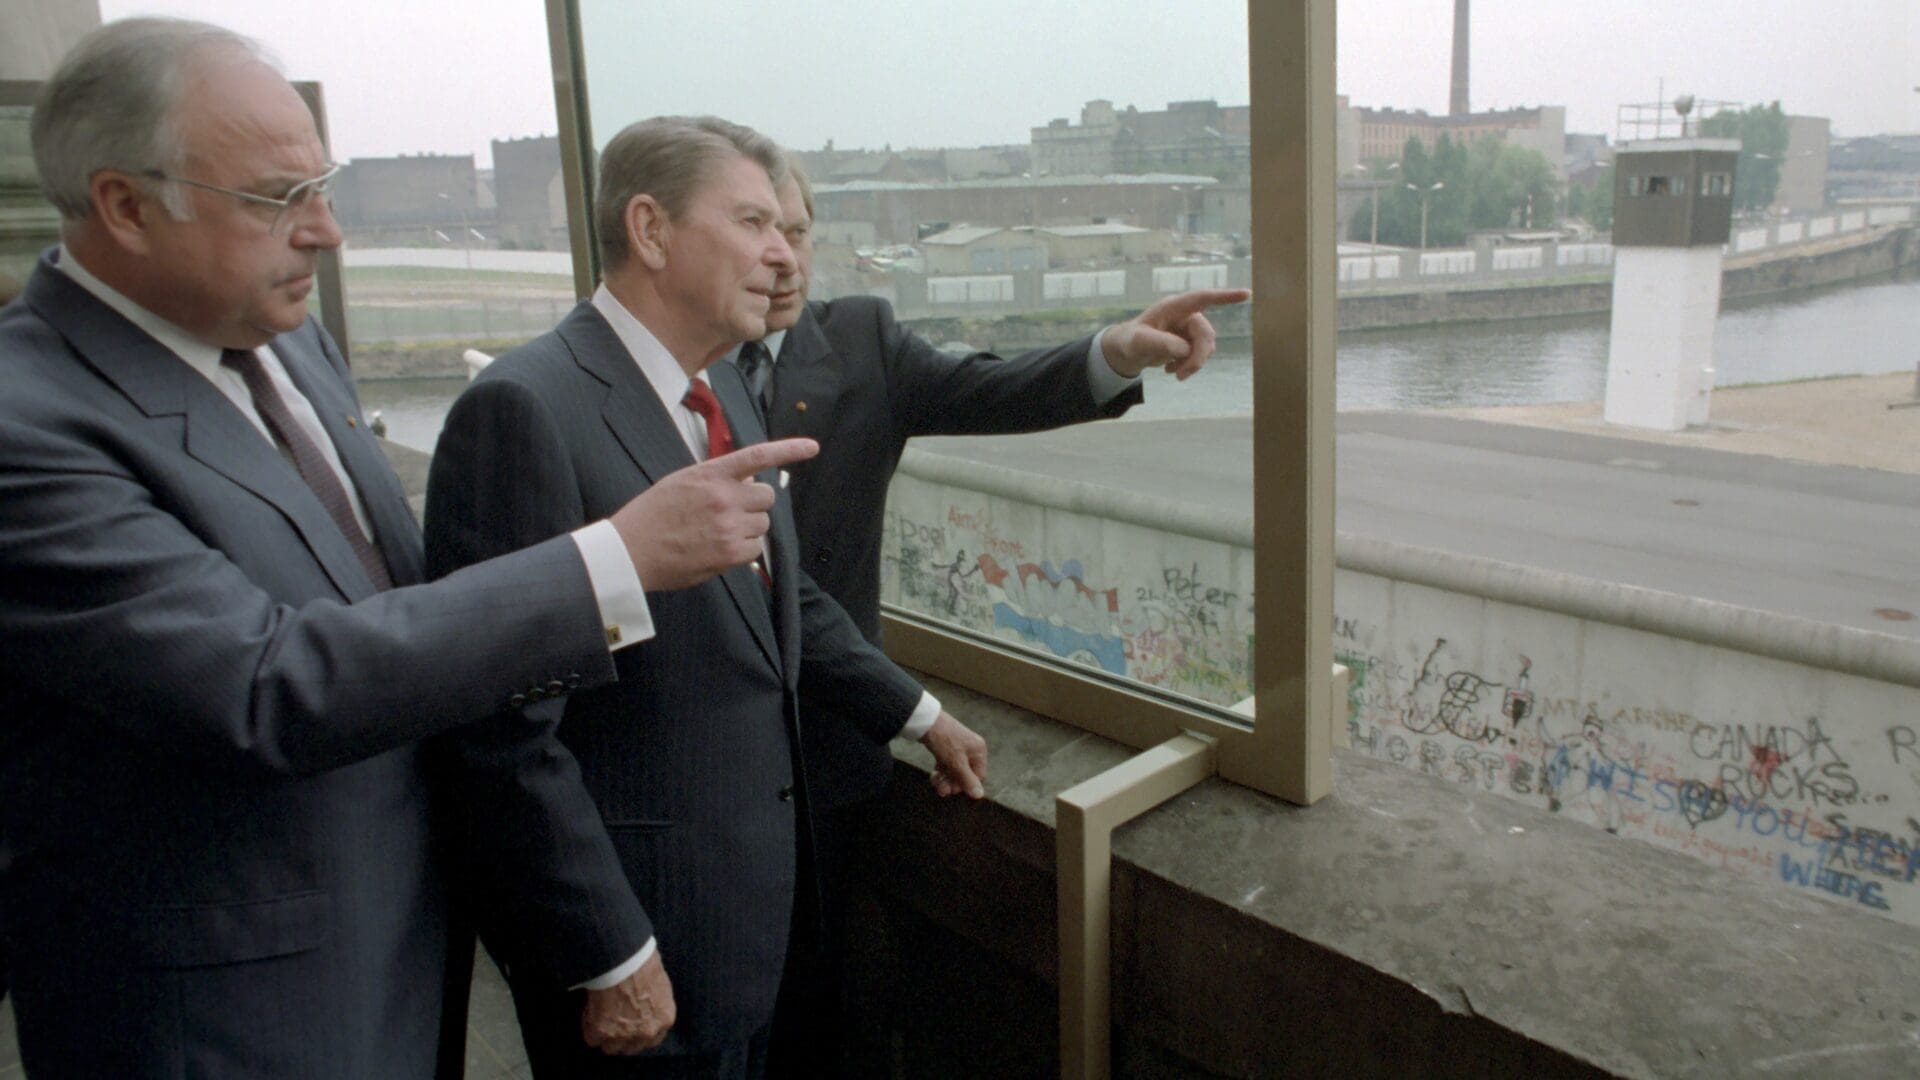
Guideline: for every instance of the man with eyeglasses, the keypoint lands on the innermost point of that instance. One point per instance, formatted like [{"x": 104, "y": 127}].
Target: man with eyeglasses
[{"x": 215, "y": 854}]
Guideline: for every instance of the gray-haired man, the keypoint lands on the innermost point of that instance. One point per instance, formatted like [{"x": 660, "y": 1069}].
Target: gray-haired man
[
  {"x": 214, "y": 845},
  {"x": 690, "y": 760}
]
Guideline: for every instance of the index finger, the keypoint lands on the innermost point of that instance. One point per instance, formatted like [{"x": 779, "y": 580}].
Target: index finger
[
  {"x": 1177, "y": 308},
  {"x": 759, "y": 457}
]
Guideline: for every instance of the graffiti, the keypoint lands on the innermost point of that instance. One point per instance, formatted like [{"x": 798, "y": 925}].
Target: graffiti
[
  {"x": 1701, "y": 803},
  {"x": 913, "y": 549},
  {"x": 1565, "y": 724},
  {"x": 956, "y": 577},
  {"x": 1519, "y": 700},
  {"x": 1744, "y": 742},
  {"x": 1479, "y": 767},
  {"x": 1901, "y": 741},
  {"x": 1453, "y": 710},
  {"x": 1180, "y": 594},
  {"x": 1055, "y": 608},
  {"x": 981, "y": 525},
  {"x": 1831, "y": 784},
  {"x": 1847, "y": 886}
]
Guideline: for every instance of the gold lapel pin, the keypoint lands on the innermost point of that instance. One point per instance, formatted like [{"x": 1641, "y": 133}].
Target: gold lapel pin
[
  {"x": 799, "y": 406},
  {"x": 352, "y": 421}
]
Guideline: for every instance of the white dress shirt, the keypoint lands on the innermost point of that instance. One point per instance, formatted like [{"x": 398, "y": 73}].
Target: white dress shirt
[{"x": 670, "y": 382}]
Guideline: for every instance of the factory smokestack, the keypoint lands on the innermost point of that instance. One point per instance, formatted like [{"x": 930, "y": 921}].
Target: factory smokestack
[{"x": 1457, "y": 103}]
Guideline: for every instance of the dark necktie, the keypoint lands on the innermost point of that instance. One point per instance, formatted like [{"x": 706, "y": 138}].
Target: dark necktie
[
  {"x": 307, "y": 460},
  {"x": 700, "y": 399},
  {"x": 756, "y": 368}
]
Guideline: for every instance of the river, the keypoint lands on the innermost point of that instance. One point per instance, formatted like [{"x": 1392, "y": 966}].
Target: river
[{"x": 1851, "y": 330}]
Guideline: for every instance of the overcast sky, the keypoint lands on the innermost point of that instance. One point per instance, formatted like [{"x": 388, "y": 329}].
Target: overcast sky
[{"x": 446, "y": 76}]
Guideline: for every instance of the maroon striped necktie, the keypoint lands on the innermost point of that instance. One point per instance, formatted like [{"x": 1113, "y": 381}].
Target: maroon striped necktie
[{"x": 308, "y": 460}]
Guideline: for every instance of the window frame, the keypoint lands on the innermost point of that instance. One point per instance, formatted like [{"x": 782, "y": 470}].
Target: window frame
[{"x": 1287, "y": 750}]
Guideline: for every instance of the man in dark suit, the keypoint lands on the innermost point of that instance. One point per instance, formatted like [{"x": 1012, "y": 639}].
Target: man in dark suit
[
  {"x": 846, "y": 374},
  {"x": 689, "y": 761},
  {"x": 215, "y": 857}
]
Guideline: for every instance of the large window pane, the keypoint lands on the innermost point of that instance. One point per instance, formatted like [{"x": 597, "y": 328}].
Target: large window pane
[
  {"x": 1001, "y": 194},
  {"x": 1624, "y": 510}
]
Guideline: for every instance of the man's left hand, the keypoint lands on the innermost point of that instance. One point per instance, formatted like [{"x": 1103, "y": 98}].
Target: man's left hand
[
  {"x": 1173, "y": 334},
  {"x": 959, "y": 758}
]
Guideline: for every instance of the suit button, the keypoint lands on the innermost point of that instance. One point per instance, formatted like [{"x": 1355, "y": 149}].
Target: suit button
[
  {"x": 823, "y": 556},
  {"x": 556, "y": 687},
  {"x": 534, "y": 693},
  {"x": 517, "y": 700},
  {"x": 573, "y": 681},
  {"x": 786, "y": 793}
]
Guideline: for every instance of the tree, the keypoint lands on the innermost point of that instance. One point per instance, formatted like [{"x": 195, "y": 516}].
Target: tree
[
  {"x": 1488, "y": 185},
  {"x": 1762, "y": 131},
  {"x": 1593, "y": 203}
]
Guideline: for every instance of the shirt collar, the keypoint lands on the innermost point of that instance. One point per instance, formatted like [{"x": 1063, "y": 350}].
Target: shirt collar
[
  {"x": 773, "y": 342},
  {"x": 203, "y": 357},
  {"x": 664, "y": 373}
]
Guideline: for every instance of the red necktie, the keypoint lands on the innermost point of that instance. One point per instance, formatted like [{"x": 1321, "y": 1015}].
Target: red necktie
[
  {"x": 701, "y": 400},
  {"x": 719, "y": 439},
  {"x": 307, "y": 460}
]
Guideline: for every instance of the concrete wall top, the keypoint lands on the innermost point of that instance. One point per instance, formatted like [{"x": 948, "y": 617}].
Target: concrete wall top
[
  {"x": 1762, "y": 633},
  {"x": 1403, "y": 924}
]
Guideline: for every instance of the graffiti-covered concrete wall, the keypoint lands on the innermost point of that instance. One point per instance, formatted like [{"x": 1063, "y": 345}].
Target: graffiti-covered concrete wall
[{"x": 1772, "y": 747}]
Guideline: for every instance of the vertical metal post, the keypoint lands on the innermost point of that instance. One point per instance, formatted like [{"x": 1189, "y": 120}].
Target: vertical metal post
[
  {"x": 1294, "y": 281},
  {"x": 1085, "y": 817},
  {"x": 330, "y": 284}
]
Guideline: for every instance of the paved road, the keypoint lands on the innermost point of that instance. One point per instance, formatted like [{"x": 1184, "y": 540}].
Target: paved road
[{"x": 1829, "y": 543}]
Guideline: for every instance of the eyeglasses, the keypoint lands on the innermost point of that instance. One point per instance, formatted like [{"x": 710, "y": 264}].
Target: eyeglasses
[{"x": 298, "y": 199}]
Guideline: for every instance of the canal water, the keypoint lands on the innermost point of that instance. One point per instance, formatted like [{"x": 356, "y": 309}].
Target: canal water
[{"x": 1855, "y": 330}]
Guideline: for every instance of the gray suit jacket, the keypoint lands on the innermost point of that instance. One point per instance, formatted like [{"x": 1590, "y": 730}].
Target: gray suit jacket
[
  {"x": 688, "y": 759},
  {"x": 862, "y": 384},
  {"x": 214, "y": 848}
]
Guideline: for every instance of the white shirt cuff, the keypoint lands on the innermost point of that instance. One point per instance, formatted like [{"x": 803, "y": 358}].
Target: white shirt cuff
[
  {"x": 921, "y": 722},
  {"x": 616, "y": 585},
  {"x": 1106, "y": 383},
  {"x": 619, "y": 974}
]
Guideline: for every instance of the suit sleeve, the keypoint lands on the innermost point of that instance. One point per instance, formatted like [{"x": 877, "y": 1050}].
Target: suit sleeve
[
  {"x": 936, "y": 393},
  {"x": 526, "y": 833},
  {"x": 111, "y": 605},
  {"x": 840, "y": 668}
]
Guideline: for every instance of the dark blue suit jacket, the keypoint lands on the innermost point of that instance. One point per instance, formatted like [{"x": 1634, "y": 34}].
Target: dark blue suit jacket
[
  {"x": 214, "y": 848},
  {"x": 862, "y": 384},
  {"x": 688, "y": 760}
]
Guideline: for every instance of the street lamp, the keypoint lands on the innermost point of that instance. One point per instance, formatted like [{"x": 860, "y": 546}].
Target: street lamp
[
  {"x": 1425, "y": 194},
  {"x": 466, "y": 242},
  {"x": 1374, "y": 241}
]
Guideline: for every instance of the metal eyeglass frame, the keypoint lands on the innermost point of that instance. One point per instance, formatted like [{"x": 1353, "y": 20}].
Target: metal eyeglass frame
[{"x": 298, "y": 197}]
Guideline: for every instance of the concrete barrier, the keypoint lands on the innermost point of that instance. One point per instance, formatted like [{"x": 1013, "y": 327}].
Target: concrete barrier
[{"x": 1783, "y": 749}]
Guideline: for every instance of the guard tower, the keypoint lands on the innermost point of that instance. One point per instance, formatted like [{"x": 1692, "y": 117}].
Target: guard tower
[{"x": 1672, "y": 210}]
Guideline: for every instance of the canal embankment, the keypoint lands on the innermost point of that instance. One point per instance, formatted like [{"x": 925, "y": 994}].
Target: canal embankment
[{"x": 1433, "y": 300}]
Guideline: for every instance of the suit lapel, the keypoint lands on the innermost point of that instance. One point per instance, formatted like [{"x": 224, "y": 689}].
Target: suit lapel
[
  {"x": 806, "y": 381},
  {"x": 633, "y": 413},
  {"x": 217, "y": 435},
  {"x": 641, "y": 424},
  {"x": 782, "y": 545},
  {"x": 394, "y": 530}
]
